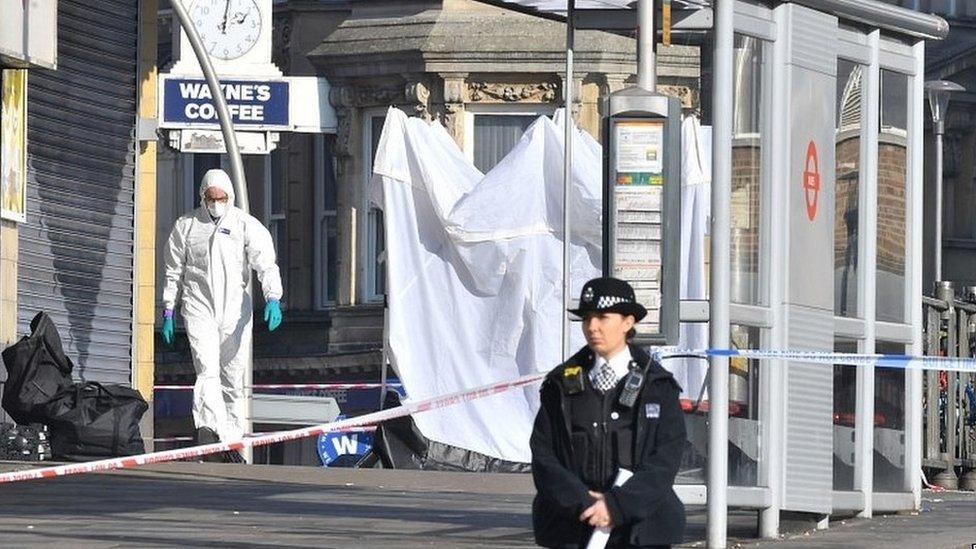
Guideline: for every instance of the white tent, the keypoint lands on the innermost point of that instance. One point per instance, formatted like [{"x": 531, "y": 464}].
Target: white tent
[{"x": 475, "y": 271}]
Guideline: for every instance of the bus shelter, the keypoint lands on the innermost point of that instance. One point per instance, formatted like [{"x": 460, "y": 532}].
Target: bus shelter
[{"x": 817, "y": 116}]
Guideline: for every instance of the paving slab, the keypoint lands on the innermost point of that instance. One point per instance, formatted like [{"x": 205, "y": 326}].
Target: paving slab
[
  {"x": 947, "y": 520},
  {"x": 231, "y": 505}
]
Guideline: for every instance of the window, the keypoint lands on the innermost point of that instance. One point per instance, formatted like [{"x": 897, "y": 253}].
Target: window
[
  {"x": 275, "y": 206},
  {"x": 744, "y": 396},
  {"x": 375, "y": 264},
  {"x": 847, "y": 202},
  {"x": 326, "y": 243},
  {"x": 889, "y": 422},
  {"x": 747, "y": 160},
  {"x": 495, "y": 135},
  {"x": 845, "y": 402},
  {"x": 892, "y": 248}
]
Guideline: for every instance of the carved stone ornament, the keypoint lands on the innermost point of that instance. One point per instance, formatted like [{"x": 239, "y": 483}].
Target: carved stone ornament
[
  {"x": 281, "y": 38},
  {"x": 417, "y": 94},
  {"x": 366, "y": 96},
  {"x": 685, "y": 94},
  {"x": 342, "y": 146},
  {"x": 544, "y": 92}
]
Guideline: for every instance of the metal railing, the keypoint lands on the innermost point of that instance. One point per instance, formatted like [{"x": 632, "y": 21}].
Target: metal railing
[{"x": 949, "y": 408}]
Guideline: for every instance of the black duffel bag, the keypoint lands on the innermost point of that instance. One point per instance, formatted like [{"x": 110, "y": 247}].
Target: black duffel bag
[
  {"x": 90, "y": 420},
  {"x": 37, "y": 369}
]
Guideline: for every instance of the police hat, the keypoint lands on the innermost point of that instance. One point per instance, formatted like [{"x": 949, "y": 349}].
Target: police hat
[{"x": 608, "y": 295}]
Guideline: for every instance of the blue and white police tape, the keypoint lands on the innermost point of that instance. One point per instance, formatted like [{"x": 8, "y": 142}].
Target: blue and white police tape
[
  {"x": 905, "y": 362},
  {"x": 466, "y": 395}
]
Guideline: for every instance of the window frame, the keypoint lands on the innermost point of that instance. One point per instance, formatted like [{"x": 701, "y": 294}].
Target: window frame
[
  {"x": 369, "y": 262},
  {"x": 498, "y": 109},
  {"x": 276, "y": 221},
  {"x": 850, "y": 54},
  {"x": 321, "y": 215}
]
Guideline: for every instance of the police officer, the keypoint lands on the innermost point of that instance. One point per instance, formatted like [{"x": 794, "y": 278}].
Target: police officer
[{"x": 607, "y": 408}]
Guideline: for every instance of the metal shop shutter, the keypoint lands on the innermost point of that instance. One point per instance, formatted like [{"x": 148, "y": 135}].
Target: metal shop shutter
[{"x": 76, "y": 247}]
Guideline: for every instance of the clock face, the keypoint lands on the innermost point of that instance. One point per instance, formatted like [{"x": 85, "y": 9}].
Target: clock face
[{"x": 228, "y": 28}]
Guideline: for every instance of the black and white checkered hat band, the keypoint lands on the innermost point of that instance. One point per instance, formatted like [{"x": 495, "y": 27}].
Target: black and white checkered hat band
[{"x": 607, "y": 301}]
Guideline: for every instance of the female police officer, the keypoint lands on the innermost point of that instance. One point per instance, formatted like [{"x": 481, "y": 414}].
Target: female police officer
[{"x": 609, "y": 407}]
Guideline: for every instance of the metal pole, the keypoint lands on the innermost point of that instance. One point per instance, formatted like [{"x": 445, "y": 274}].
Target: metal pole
[
  {"x": 567, "y": 170},
  {"x": 236, "y": 173},
  {"x": 939, "y": 129},
  {"x": 646, "y": 63},
  {"x": 718, "y": 390}
]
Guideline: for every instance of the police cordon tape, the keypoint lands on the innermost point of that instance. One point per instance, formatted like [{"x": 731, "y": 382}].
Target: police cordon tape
[
  {"x": 335, "y": 386},
  {"x": 366, "y": 429},
  {"x": 879, "y": 360},
  {"x": 905, "y": 362},
  {"x": 406, "y": 409}
]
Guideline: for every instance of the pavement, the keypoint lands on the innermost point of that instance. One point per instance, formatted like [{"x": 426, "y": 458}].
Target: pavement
[{"x": 230, "y": 505}]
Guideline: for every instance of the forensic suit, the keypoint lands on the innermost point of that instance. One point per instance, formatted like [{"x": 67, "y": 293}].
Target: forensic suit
[{"x": 208, "y": 266}]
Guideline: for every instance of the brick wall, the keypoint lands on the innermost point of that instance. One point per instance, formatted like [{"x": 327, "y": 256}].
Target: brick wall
[
  {"x": 846, "y": 217},
  {"x": 892, "y": 177},
  {"x": 746, "y": 192}
]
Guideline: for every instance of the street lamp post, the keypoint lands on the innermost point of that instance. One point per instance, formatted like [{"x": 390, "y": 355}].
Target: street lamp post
[{"x": 938, "y": 92}]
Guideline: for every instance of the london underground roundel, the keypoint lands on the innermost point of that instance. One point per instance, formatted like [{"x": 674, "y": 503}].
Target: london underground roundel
[{"x": 811, "y": 181}]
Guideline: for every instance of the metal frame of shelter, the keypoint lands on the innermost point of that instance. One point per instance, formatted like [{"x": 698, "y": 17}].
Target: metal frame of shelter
[{"x": 877, "y": 37}]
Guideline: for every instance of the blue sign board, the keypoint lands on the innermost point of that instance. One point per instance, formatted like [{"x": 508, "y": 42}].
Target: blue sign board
[
  {"x": 333, "y": 445},
  {"x": 251, "y": 103}
]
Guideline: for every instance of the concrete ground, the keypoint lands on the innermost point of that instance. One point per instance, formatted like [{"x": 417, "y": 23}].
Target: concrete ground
[{"x": 225, "y": 505}]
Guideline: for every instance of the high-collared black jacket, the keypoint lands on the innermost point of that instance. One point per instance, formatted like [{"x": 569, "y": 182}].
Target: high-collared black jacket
[{"x": 646, "y": 505}]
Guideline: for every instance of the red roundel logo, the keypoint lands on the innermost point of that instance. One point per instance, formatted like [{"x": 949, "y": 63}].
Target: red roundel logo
[{"x": 811, "y": 181}]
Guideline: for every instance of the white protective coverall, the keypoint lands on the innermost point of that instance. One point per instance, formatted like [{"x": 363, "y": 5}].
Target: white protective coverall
[{"x": 210, "y": 261}]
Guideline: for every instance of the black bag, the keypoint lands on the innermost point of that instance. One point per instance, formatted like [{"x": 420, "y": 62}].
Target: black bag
[
  {"x": 92, "y": 421},
  {"x": 37, "y": 369}
]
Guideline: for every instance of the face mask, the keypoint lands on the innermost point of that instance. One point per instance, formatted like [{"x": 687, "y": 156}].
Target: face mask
[{"x": 217, "y": 209}]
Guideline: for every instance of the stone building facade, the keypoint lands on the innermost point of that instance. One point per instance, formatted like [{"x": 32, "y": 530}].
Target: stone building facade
[
  {"x": 457, "y": 62},
  {"x": 453, "y": 62}
]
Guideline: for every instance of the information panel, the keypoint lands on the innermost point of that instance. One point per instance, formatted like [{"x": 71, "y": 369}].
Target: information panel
[{"x": 638, "y": 170}]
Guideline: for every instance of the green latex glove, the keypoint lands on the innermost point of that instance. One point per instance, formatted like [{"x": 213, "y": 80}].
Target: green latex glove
[
  {"x": 168, "y": 330},
  {"x": 272, "y": 314}
]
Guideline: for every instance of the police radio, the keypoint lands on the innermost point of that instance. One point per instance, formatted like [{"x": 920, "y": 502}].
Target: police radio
[{"x": 632, "y": 386}]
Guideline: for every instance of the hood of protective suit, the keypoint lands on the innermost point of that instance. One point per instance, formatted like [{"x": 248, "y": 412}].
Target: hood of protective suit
[{"x": 217, "y": 178}]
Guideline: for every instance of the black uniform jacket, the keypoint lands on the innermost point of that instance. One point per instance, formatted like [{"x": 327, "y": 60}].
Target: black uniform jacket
[{"x": 646, "y": 505}]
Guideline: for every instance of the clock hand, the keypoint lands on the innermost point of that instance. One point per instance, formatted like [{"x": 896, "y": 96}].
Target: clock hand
[{"x": 223, "y": 26}]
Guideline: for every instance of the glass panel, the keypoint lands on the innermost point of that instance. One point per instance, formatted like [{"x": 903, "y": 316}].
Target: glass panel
[
  {"x": 694, "y": 402},
  {"x": 377, "y": 245},
  {"x": 495, "y": 135},
  {"x": 376, "y": 131},
  {"x": 327, "y": 272},
  {"x": 889, "y": 423},
  {"x": 331, "y": 269},
  {"x": 845, "y": 402},
  {"x": 330, "y": 194},
  {"x": 746, "y": 171},
  {"x": 846, "y": 216},
  {"x": 892, "y": 181},
  {"x": 277, "y": 183},
  {"x": 744, "y": 409},
  {"x": 378, "y": 252}
]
